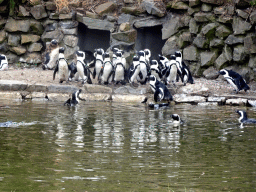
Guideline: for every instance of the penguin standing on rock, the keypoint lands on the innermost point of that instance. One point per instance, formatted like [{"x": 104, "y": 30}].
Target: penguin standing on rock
[
  {"x": 74, "y": 100},
  {"x": 3, "y": 62},
  {"x": 143, "y": 74},
  {"x": 243, "y": 118},
  {"x": 160, "y": 90},
  {"x": 235, "y": 80},
  {"x": 62, "y": 67},
  {"x": 154, "y": 70},
  {"x": 51, "y": 56},
  {"x": 83, "y": 72},
  {"x": 98, "y": 64},
  {"x": 107, "y": 70},
  {"x": 120, "y": 72},
  {"x": 171, "y": 73},
  {"x": 134, "y": 70}
]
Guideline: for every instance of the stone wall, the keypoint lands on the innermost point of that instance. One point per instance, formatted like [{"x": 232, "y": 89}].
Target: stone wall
[{"x": 211, "y": 34}]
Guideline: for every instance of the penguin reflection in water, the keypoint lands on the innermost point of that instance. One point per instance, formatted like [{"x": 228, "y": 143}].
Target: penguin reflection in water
[{"x": 74, "y": 100}]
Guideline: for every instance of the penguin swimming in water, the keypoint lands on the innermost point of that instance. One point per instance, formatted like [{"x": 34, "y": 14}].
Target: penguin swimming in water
[
  {"x": 51, "y": 56},
  {"x": 171, "y": 73},
  {"x": 155, "y": 106},
  {"x": 235, "y": 80},
  {"x": 176, "y": 120},
  {"x": 154, "y": 70},
  {"x": 183, "y": 70},
  {"x": 119, "y": 72},
  {"x": 74, "y": 100},
  {"x": 143, "y": 74},
  {"x": 134, "y": 70},
  {"x": 62, "y": 67},
  {"x": 243, "y": 118},
  {"x": 3, "y": 62},
  {"x": 98, "y": 64},
  {"x": 83, "y": 72},
  {"x": 107, "y": 70},
  {"x": 160, "y": 90}
]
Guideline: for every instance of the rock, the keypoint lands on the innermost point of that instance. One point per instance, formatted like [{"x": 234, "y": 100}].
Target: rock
[
  {"x": 12, "y": 58},
  {"x": 128, "y": 36},
  {"x": 61, "y": 89},
  {"x": 201, "y": 42},
  {"x": 240, "y": 26},
  {"x": 193, "y": 3},
  {"x": 252, "y": 103},
  {"x": 12, "y": 85},
  {"x": 2, "y": 23},
  {"x": 152, "y": 8},
  {"x": 4, "y": 47},
  {"x": 225, "y": 19},
  {"x": 98, "y": 24},
  {"x": 208, "y": 58},
  {"x": 220, "y": 10},
  {"x": 215, "y": 2},
  {"x": 35, "y": 47},
  {"x": 193, "y": 26},
  {"x": 111, "y": 18},
  {"x": 209, "y": 30},
  {"x": 222, "y": 32},
  {"x": 130, "y": 90},
  {"x": 233, "y": 40},
  {"x": 96, "y": 97},
  {"x": 184, "y": 39},
  {"x": 70, "y": 51},
  {"x": 177, "y": 5},
  {"x": 48, "y": 36},
  {"x": 105, "y": 8},
  {"x": 132, "y": 10},
  {"x": 51, "y": 6},
  {"x": 23, "y": 12},
  {"x": 97, "y": 89},
  {"x": 206, "y": 7},
  {"x": 252, "y": 61},
  {"x": 17, "y": 25},
  {"x": 68, "y": 24},
  {"x": 75, "y": 3},
  {"x": 211, "y": 73},
  {"x": 241, "y": 102},
  {"x": 253, "y": 17},
  {"x": 194, "y": 89},
  {"x": 54, "y": 16},
  {"x": 70, "y": 40},
  {"x": 242, "y": 13},
  {"x": 66, "y": 16},
  {"x": 51, "y": 27},
  {"x": 170, "y": 46},
  {"x": 242, "y": 3},
  {"x": 230, "y": 9},
  {"x": 125, "y": 27},
  {"x": 3, "y": 36},
  {"x": 34, "y": 2},
  {"x": 190, "y": 53},
  {"x": 147, "y": 22},
  {"x": 125, "y": 18},
  {"x": 224, "y": 58},
  {"x": 29, "y": 38},
  {"x": 171, "y": 27},
  {"x": 36, "y": 27},
  {"x": 191, "y": 11},
  {"x": 70, "y": 31},
  {"x": 127, "y": 98},
  {"x": 208, "y": 104},
  {"x": 203, "y": 17},
  {"x": 18, "y": 50},
  {"x": 186, "y": 20},
  {"x": 216, "y": 43},
  {"x": 13, "y": 40},
  {"x": 219, "y": 100},
  {"x": 183, "y": 98},
  {"x": 32, "y": 58},
  {"x": 38, "y": 12},
  {"x": 239, "y": 54},
  {"x": 250, "y": 43}
]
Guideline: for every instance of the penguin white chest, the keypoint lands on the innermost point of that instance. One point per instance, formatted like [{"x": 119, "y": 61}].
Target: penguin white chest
[{"x": 63, "y": 70}]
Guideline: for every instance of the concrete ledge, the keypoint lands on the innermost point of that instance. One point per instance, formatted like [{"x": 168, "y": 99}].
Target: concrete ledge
[
  {"x": 61, "y": 89},
  {"x": 12, "y": 85}
]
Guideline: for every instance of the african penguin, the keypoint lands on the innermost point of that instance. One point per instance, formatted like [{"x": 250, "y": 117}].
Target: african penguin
[
  {"x": 3, "y": 62},
  {"x": 83, "y": 72},
  {"x": 176, "y": 120},
  {"x": 160, "y": 90},
  {"x": 115, "y": 50},
  {"x": 119, "y": 72},
  {"x": 155, "y": 106},
  {"x": 171, "y": 73},
  {"x": 98, "y": 63},
  {"x": 163, "y": 63},
  {"x": 62, "y": 67},
  {"x": 107, "y": 69},
  {"x": 143, "y": 74},
  {"x": 243, "y": 118},
  {"x": 235, "y": 80},
  {"x": 147, "y": 55},
  {"x": 154, "y": 70},
  {"x": 134, "y": 69},
  {"x": 74, "y": 98},
  {"x": 51, "y": 56}
]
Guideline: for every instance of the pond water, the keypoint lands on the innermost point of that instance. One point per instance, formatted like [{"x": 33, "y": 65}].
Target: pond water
[{"x": 105, "y": 146}]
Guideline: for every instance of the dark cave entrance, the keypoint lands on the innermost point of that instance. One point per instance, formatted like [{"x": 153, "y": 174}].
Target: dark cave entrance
[{"x": 150, "y": 38}]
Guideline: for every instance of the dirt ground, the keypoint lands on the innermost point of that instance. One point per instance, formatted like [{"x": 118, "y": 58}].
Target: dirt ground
[{"x": 39, "y": 76}]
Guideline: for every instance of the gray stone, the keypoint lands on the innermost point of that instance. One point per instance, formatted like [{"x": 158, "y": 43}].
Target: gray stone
[
  {"x": 68, "y": 24},
  {"x": 195, "y": 89},
  {"x": 105, "y": 8},
  {"x": 12, "y": 85},
  {"x": 61, "y": 89},
  {"x": 66, "y": 16},
  {"x": 222, "y": 31},
  {"x": 253, "y": 17},
  {"x": 124, "y": 18},
  {"x": 23, "y": 12},
  {"x": 70, "y": 51},
  {"x": 4, "y": 47},
  {"x": 221, "y": 61},
  {"x": 184, "y": 39},
  {"x": 13, "y": 40},
  {"x": 193, "y": 3},
  {"x": 208, "y": 104},
  {"x": 190, "y": 53},
  {"x": 98, "y": 24},
  {"x": 191, "y": 10},
  {"x": 170, "y": 46},
  {"x": 147, "y": 22},
  {"x": 51, "y": 27},
  {"x": 35, "y": 47},
  {"x": 233, "y": 40},
  {"x": 36, "y": 27},
  {"x": 215, "y": 2},
  {"x": 236, "y": 102},
  {"x": 128, "y": 36},
  {"x": 186, "y": 20},
  {"x": 239, "y": 54},
  {"x": 127, "y": 98},
  {"x": 2, "y": 23},
  {"x": 211, "y": 73},
  {"x": 17, "y": 25},
  {"x": 203, "y": 17},
  {"x": 208, "y": 58},
  {"x": 97, "y": 89},
  {"x": 18, "y": 50},
  {"x": 201, "y": 42},
  {"x": 252, "y": 103},
  {"x": 240, "y": 26},
  {"x": 171, "y": 27},
  {"x": 38, "y": 12},
  {"x": 216, "y": 43},
  {"x": 3, "y": 36},
  {"x": 183, "y": 98},
  {"x": 252, "y": 61},
  {"x": 31, "y": 58},
  {"x": 242, "y": 13},
  {"x": 70, "y": 40},
  {"x": 130, "y": 90},
  {"x": 125, "y": 27},
  {"x": 48, "y": 36},
  {"x": 37, "y": 88},
  {"x": 228, "y": 52},
  {"x": 25, "y": 38},
  {"x": 51, "y": 6},
  {"x": 151, "y": 8},
  {"x": 230, "y": 9},
  {"x": 220, "y": 10},
  {"x": 193, "y": 26},
  {"x": 206, "y": 7},
  {"x": 135, "y": 10},
  {"x": 70, "y": 31},
  {"x": 225, "y": 19},
  {"x": 209, "y": 30},
  {"x": 177, "y": 5},
  {"x": 54, "y": 16},
  {"x": 250, "y": 43},
  {"x": 111, "y": 18},
  {"x": 219, "y": 100}
]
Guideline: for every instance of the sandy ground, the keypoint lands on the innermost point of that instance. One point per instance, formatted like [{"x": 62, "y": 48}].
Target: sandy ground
[{"x": 45, "y": 77}]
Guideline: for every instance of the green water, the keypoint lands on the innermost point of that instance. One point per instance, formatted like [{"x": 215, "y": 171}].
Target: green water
[{"x": 104, "y": 146}]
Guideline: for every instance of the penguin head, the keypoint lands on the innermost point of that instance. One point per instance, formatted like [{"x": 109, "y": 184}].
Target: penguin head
[
  {"x": 80, "y": 54},
  {"x": 173, "y": 57},
  {"x": 223, "y": 72},
  {"x": 135, "y": 58},
  {"x": 161, "y": 57},
  {"x": 100, "y": 51},
  {"x": 75, "y": 95},
  {"x": 119, "y": 54},
  {"x": 177, "y": 53},
  {"x": 2, "y": 57},
  {"x": 243, "y": 115},
  {"x": 115, "y": 49},
  {"x": 106, "y": 55},
  {"x": 175, "y": 117},
  {"x": 154, "y": 62},
  {"x": 54, "y": 42},
  {"x": 141, "y": 53},
  {"x": 61, "y": 50},
  {"x": 147, "y": 52},
  {"x": 152, "y": 78}
]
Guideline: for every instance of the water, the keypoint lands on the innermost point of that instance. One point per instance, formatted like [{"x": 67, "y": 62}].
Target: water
[{"x": 104, "y": 146}]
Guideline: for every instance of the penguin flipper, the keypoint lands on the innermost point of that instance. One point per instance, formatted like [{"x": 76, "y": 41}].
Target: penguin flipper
[
  {"x": 157, "y": 92},
  {"x": 94, "y": 73},
  {"x": 47, "y": 58},
  {"x": 55, "y": 70},
  {"x": 68, "y": 102}
]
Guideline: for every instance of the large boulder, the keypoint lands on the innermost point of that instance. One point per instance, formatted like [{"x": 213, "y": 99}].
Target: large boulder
[
  {"x": 253, "y": 17},
  {"x": 225, "y": 57},
  {"x": 48, "y": 36},
  {"x": 208, "y": 58},
  {"x": 193, "y": 26},
  {"x": 17, "y": 25},
  {"x": 147, "y": 22},
  {"x": 201, "y": 42},
  {"x": 151, "y": 8},
  {"x": 127, "y": 36},
  {"x": 13, "y": 40},
  {"x": 233, "y": 40},
  {"x": 70, "y": 40},
  {"x": 18, "y": 50},
  {"x": 98, "y": 24},
  {"x": 184, "y": 39},
  {"x": 170, "y": 46},
  {"x": 240, "y": 26},
  {"x": 36, "y": 27},
  {"x": 239, "y": 54},
  {"x": 250, "y": 43},
  {"x": 209, "y": 30},
  {"x": 35, "y": 47},
  {"x": 31, "y": 58},
  {"x": 38, "y": 12},
  {"x": 242, "y": 13},
  {"x": 222, "y": 31},
  {"x": 171, "y": 27},
  {"x": 28, "y": 38},
  {"x": 3, "y": 36},
  {"x": 211, "y": 73},
  {"x": 190, "y": 53}
]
